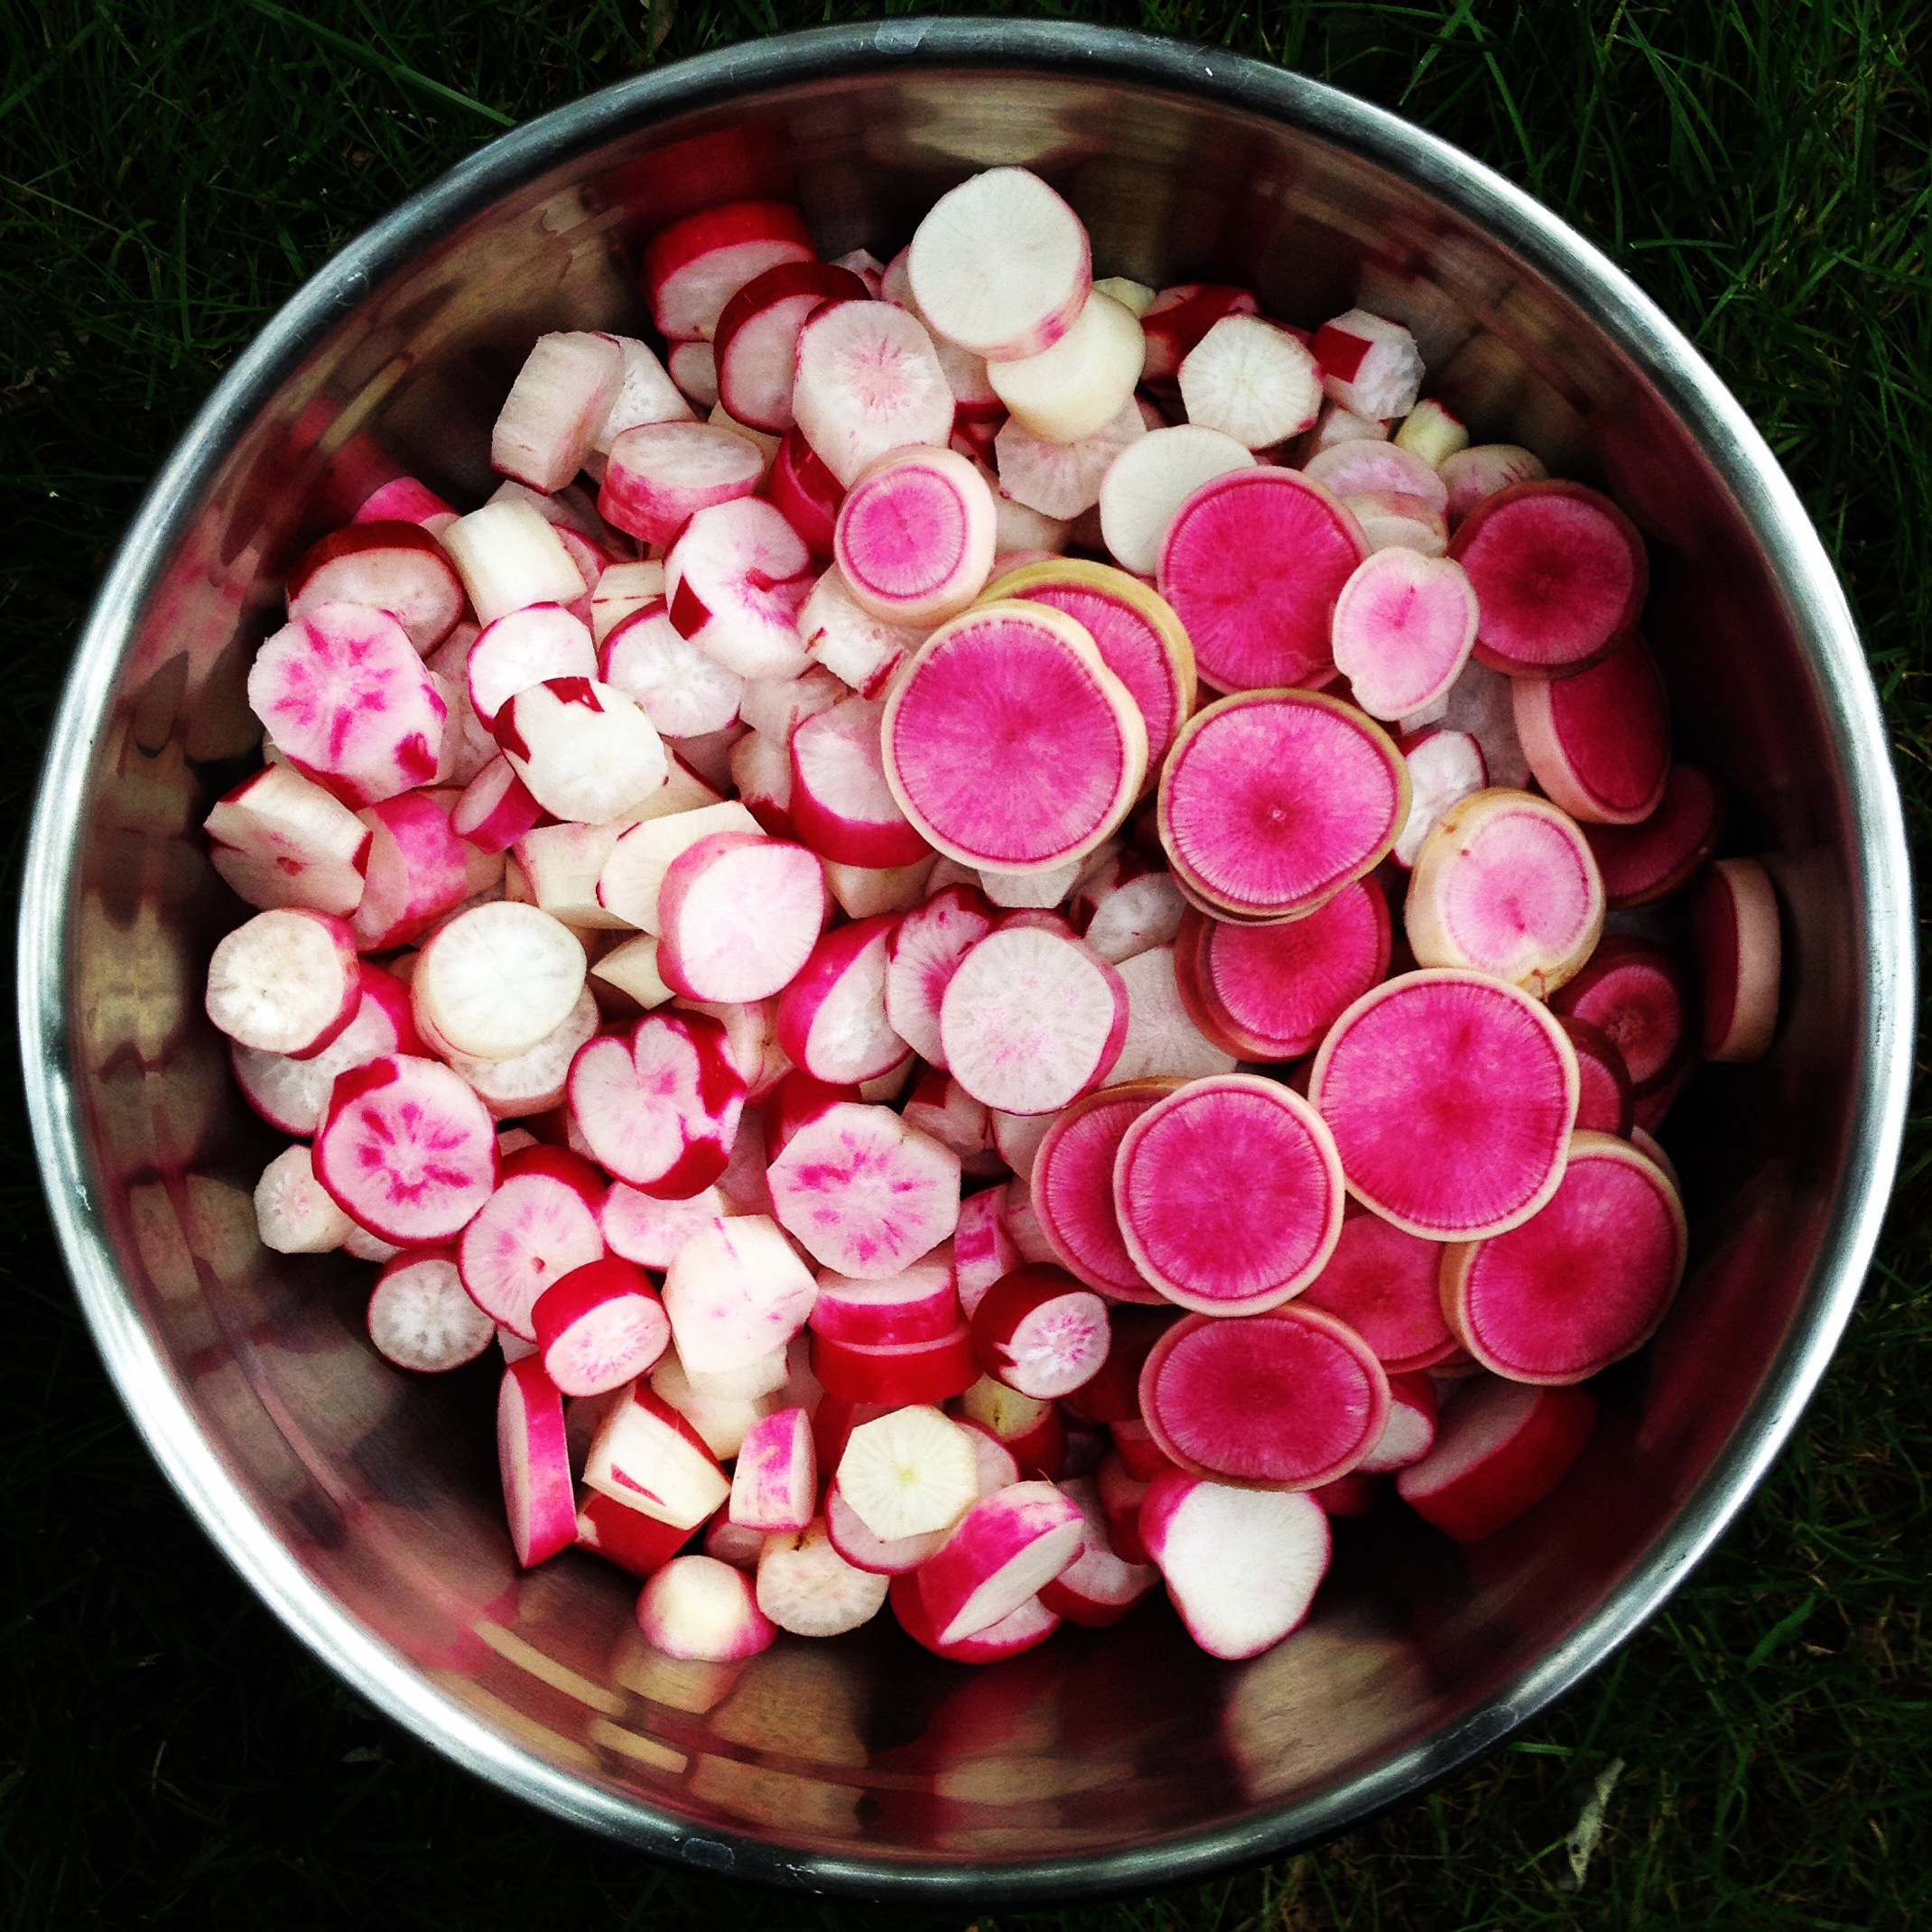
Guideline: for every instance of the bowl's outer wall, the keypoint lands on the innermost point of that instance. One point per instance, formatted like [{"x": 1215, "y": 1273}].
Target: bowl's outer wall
[{"x": 362, "y": 1504}]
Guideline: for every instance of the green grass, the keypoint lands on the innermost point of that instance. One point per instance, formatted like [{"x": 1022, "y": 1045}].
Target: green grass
[{"x": 171, "y": 171}]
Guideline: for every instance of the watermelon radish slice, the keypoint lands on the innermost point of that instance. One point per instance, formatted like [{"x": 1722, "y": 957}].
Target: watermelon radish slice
[
  {"x": 1041, "y": 1332},
  {"x": 1599, "y": 742},
  {"x": 692, "y": 268},
  {"x": 534, "y": 1462},
  {"x": 1073, "y": 1186},
  {"x": 540, "y": 1224},
  {"x": 397, "y": 567},
  {"x": 1643, "y": 863},
  {"x": 1641, "y": 996},
  {"x": 1604, "y": 1104},
  {"x": 756, "y": 347},
  {"x": 1404, "y": 626},
  {"x": 914, "y": 538},
  {"x": 1384, "y": 1282},
  {"x": 1500, "y": 1450},
  {"x": 1736, "y": 938}
]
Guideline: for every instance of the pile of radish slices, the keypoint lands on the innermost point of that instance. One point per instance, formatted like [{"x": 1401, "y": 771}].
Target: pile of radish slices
[{"x": 957, "y": 1073}]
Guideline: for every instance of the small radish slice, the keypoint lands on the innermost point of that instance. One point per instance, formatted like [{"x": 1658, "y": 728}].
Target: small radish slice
[
  {"x": 1443, "y": 768},
  {"x": 1002, "y": 1551},
  {"x": 420, "y": 1317},
  {"x": 701, "y": 1610},
  {"x": 1604, "y": 1104},
  {"x": 1404, "y": 627},
  {"x": 1382, "y": 1282},
  {"x": 419, "y": 870},
  {"x": 395, "y": 567},
  {"x": 1031, "y": 1432},
  {"x": 922, "y": 954},
  {"x": 645, "y": 1455},
  {"x": 1641, "y": 998},
  {"x": 939, "y": 1105},
  {"x": 599, "y": 1326},
  {"x": 1475, "y": 474},
  {"x": 631, "y": 880},
  {"x": 1041, "y": 1332},
  {"x": 864, "y": 1551},
  {"x": 736, "y": 1291},
  {"x": 850, "y": 644},
  {"x": 1409, "y": 1432},
  {"x": 534, "y": 1463},
  {"x": 1390, "y": 519},
  {"x": 1242, "y": 1565},
  {"x": 645, "y": 395},
  {"x": 756, "y": 343},
  {"x": 807, "y": 1587},
  {"x": 1451, "y": 1097},
  {"x": 1149, "y": 481},
  {"x": 1502, "y": 1447},
  {"x": 282, "y": 839},
  {"x": 982, "y": 1246},
  {"x": 1063, "y": 479},
  {"x": 626, "y": 1536},
  {"x": 585, "y": 751},
  {"x": 776, "y": 1482},
  {"x": 1020, "y": 1631},
  {"x": 1559, "y": 572},
  {"x": 497, "y": 980},
  {"x": 693, "y": 368},
  {"x": 1738, "y": 943},
  {"x": 868, "y": 380},
  {"x": 496, "y": 809},
  {"x": 1073, "y": 1186},
  {"x": 1643, "y": 863},
  {"x": 540, "y": 1224},
  {"x": 286, "y": 982},
  {"x": 508, "y": 556},
  {"x": 908, "y": 1474},
  {"x": 659, "y": 1110},
  {"x": 406, "y": 500},
  {"x": 685, "y": 692},
  {"x": 558, "y": 403},
  {"x": 1372, "y": 465},
  {"x": 1481, "y": 705},
  {"x": 842, "y": 802},
  {"x": 914, "y": 538},
  {"x": 1251, "y": 380},
  {"x": 660, "y": 475},
  {"x": 805, "y": 491},
  {"x": 1075, "y": 388},
  {"x": 1098, "y": 1587},
  {"x": 1599, "y": 742},
  {"x": 1433, "y": 431},
  {"x": 1370, "y": 366},
  {"x": 1506, "y": 885},
  {"x": 1134, "y": 916},
  {"x": 735, "y": 581},
  {"x": 831, "y": 1017},
  {"x": 894, "y": 1374},
  {"x": 649, "y": 1231},
  {"x": 294, "y": 1215},
  {"x": 920, "y": 1304},
  {"x": 526, "y": 647},
  {"x": 1178, "y": 317},
  {"x": 1272, "y": 801},
  {"x": 739, "y": 914},
  {"x": 1008, "y": 744},
  {"x": 692, "y": 268}
]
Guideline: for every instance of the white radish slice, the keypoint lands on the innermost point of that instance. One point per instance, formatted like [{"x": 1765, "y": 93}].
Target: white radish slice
[
  {"x": 807, "y": 1587},
  {"x": 1003, "y": 1550},
  {"x": 1061, "y": 480},
  {"x": 863, "y": 892},
  {"x": 622, "y": 589},
  {"x": 1177, "y": 319},
  {"x": 1149, "y": 481},
  {"x": 557, "y": 404},
  {"x": 534, "y": 1081},
  {"x": 1501, "y": 1448},
  {"x": 805, "y": 491},
  {"x": 914, "y": 538},
  {"x": 1011, "y": 216},
  {"x": 292, "y": 1095},
  {"x": 735, "y": 1291},
  {"x": 1024, "y": 1226},
  {"x": 1642, "y": 999},
  {"x": 1098, "y": 1587},
  {"x": 418, "y": 870},
  {"x": 920, "y": 1304},
  {"x": 693, "y": 368},
  {"x": 645, "y": 395},
  {"x": 1473, "y": 475},
  {"x": 939, "y": 1105},
  {"x": 1383, "y": 1283},
  {"x": 865, "y": 1194},
  {"x": 1251, "y": 380},
  {"x": 497, "y": 980},
  {"x": 281, "y": 840},
  {"x": 420, "y": 1318},
  {"x": 776, "y": 1482},
  {"x": 509, "y": 556},
  {"x": 631, "y": 880},
  {"x": 496, "y": 809},
  {"x": 869, "y": 381},
  {"x": 849, "y": 642},
  {"x": 1433, "y": 431},
  {"x": 632, "y": 969},
  {"x": 756, "y": 342},
  {"x": 1021, "y": 1629},
  {"x": 796, "y": 1100},
  {"x": 1135, "y": 295},
  {"x": 397, "y": 567},
  {"x": 1041, "y": 1332},
  {"x": 982, "y": 1248},
  {"x": 1366, "y": 465},
  {"x": 585, "y": 751},
  {"x": 1242, "y": 1565},
  {"x": 1506, "y": 883},
  {"x": 1738, "y": 943},
  {"x": 559, "y": 864},
  {"x": 660, "y": 475},
  {"x": 628, "y": 1537},
  {"x": 778, "y": 706},
  {"x": 736, "y": 580},
  {"x": 1132, "y": 915},
  {"x": 1451, "y": 1097},
  {"x": 692, "y": 268},
  {"x": 1443, "y": 768},
  {"x": 1599, "y": 742},
  {"x": 1075, "y": 388},
  {"x": 1336, "y": 425},
  {"x": 1643, "y": 863},
  {"x": 599, "y": 1326},
  {"x": 701, "y": 1610},
  {"x": 1370, "y": 366},
  {"x": 534, "y": 1463},
  {"x": 831, "y": 1017},
  {"x": 286, "y": 982},
  {"x": 923, "y": 953},
  {"x": 645, "y": 1455},
  {"x": 1162, "y": 1039},
  {"x": 892, "y": 1374},
  {"x": 1403, "y": 628},
  {"x": 908, "y": 1474},
  {"x": 649, "y": 1231},
  {"x": 659, "y": 1110},
  {"x": 739, "y": 914},
  {"x": 1072, "y": 1186},
  {"x": 540, "y": 1224},
  {"x": 293, "y": 1213},
  {"x": 1389, "y": 519},
  {"x": 843, "y": 804}
]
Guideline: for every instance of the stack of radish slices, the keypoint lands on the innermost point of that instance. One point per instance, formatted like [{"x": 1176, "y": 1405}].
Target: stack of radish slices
[{"x": 987, "y": 964}]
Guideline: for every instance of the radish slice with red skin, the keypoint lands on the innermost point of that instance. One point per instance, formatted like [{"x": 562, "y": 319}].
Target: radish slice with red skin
[
  {"x": 646, "y": 1455},
  {"x": 420, "y": 1318},
  {"x": 1251, "y": 380},
  {"x": 540, "y": 1224},
  {"x": 692, "y": 268},
  {"x": 739, "y": 915},
  {"x": 807, "y": 1587},
  {"x": 913, "y": 539},
  {"x": 1041, "y": 1332},
  {"x": 831, "y": 1017},
  {"x": 1409, "y": 1432},
  {"x": 1364, "y": 466},
  {"x": 1641, "y": 998},
  {"x": 1644, "y": 863},
  {"x": 736, "y": 1291},
  {"x": 922, "y": 954},
  {"x": 1369, "y": 364},
  {"x": 1403, "y": 629},
  {"x": 650, "y": 1232},
  {"x": 534, "y": 1464},
  {"x": 843, "y": 802},
  {"x": 1383, "y": 1282},
  {"x": 286, "y": 982},
  {"x": 1147, "y": 484},
  {"x": 295, "y": 843},
  {"x": 756, "y": 347},
  {"x": 1002, "y": 1552},
  {"x": 496, "y": 809},
  {"x": 735, "y": 580},
  {"x": 1605, "y": 1104},
  {"x": 701, "y": 1610},
  {"x": 419, "y": 870},
  {"x": 659, "y": 1110},
  {"x": 555, "y": 407},
  {"x": 776, "y": 1482},
  {"x": 796, "y": 1100},
  {"x": 850, "y": 644},
  {"x": 982, "y": 1246},
  {"x": 395, "y": 567},
  {"x": 1134, "y": 1444},
  {"x": 599, "y": 1326},
  {"x": 626, "y": 1536},
  {"x": 1738, "y": 943},
  {"x": 1445, "y": 767},
  {"x": 864, "y": 1551},
  {"x": 1073, "y": 1187},
  {"x": 1177, "y": 319},
  {"x": 1474, "y": 474},
  {"x": 920, "y": 1304},
  {"x": 292, "y": 1095},
  {"x": 1501, "y": 1448},
  {"x": 1077, "y": 386},
  {"x": 585, "y": 751},
  {"x": 1599, "y": 742},
  {"x": 806, "y": 492},
  {"x": 1020, "y": 1631},
  {"x": 939, "y": 1105},
  {"x": 497, "y": 980},
  {"x": 868, "y": 380},
  {"x": 660, "y": 475},
  {"x": 406, "y": 500},
  {"x": 1031, "y": 1432},
  {"x": 898, "y": 1373},
  {"x": 1451, "y": 1097},
  {"x": 294, "y": 1215},
  {"x": 630, "y": 881}
]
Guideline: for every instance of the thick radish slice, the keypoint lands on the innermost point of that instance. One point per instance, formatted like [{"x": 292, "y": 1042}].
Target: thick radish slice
[
  {"x": 1077, "y": 386},
  {"x": 693, "y": 368},
  {"x": 397, "y": 567},
  {"x": 692, "y": 268},
  {"x": 1451, "y": 1097},
  {"x": 1599, "y": 742},
  {"x": 685, "y": 692},
  {"x": 549, "y": 422},
  {"x": 496, "y": 809},
  {"x": 292, "y": 1095},
  {"x": 649, "y": 1231},
  {"x": 1641, "y": 998},
  {"x": 508, "y": 556},
  {"x": 404, "y": 499},
  {"x": 1372, "y": 465},
  {"x": 497, "y": 980},
  {"x": 922, "y": 954},
  {"x": 864, "y": 1551},
  {"x": 585, "y": 751},
  {"x": 776, "y": 1482},
  {"x": 1475, "y": 474},
  {"x": 1098, "y": 1587},
  {"x": 281, "y": 840},
  {"x": 660, "y": 1110},
  {"x": 1433, "y": 431},
  {"x": 1409, "y": 1432},
  {"x": 1404, "y": 627},
  {"x": 1605, "y": 1104},
  {"x": 842, "y": 802},
  {"x": 920, "y": 1304},
  {"x": 645, "y": 395},
  {"x": 1061, "y": 480},
  {"x": 1020, "y": 1631},
  {"x": 892, "y": 1374},
  {"x": 756, "y": 345},
  {"x": 1643, "y": 863},
  {"x": 1391, "y": 519},
  {"x": 1738, "y": 943},
  {"x": 1443, "y": 768},
  {"x": 805, "y": 491},
  {"x": 660, "y": 475},
  {"x": 1149, "y": 481},
  {"x": 420, "y": 1317},
  {"x": 1370, "y": 366},
  {"x": 1501, "y": 1448},
  {"x": 631, "y": 881},
  {"x": 914, "y": 538},
  {"x": 628, "y": 1537},
  {"x": 736, "y": 1291},
  {"x": 1073, "y": 1186},
  {"x": 539, "y": 1225},
  {"x": 1162, "y": 1039},
  {"x": 735, "y": 580},
  {"x": 909, "y": 1473},
  {"x": 1252, "y": 381},
  {"x": 701, "y": 1610},
  {"x": 982, "y": 1246},
  {"x": 849, "y": 642},
  {"x": 293, "y": 1213},
  {"x": 648, "y": 1455},
  {"x": 1041, "y": 1332},
  {"x": 1384, "y": 1282},
  {"x": 599, "y": 1326},
  {"x": 739, "y": 914},
  {"x": 534, "y": 1463},
  {"x": 1002, "y": 1551},
  {"x": 286, "y": 982},
  {"x": 1178, "y": 317},
  {"x": 807, "y": 1587},
  {"x": 831, "y": 1017},
  {"x": 868, "y": 380},
  {"x": 418, "y": 870}
]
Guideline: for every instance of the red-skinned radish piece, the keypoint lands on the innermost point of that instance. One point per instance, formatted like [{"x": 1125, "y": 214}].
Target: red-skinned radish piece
[
  {"x": 1041, "y": 1332},
  {"x": 849, "y": 643},
  {"x": 1409, "y": 1432},
  {"x": 939, "y": 1105},
  {"x": 1077, "y": 386},
  {"x": 725, "y": 1540},
  {"x": 628, "y": 1537},
  {"x": 659, "y": 1109},
  {"x": 1098, "y": 1587},
  {"x": 806, "y": 492},
  {"x": 1445, "y": 767},
  {"x": 1599, "y": 742},
  {"x": 982, "y": 1246},
  {"x": 1404, "y": 627},
  {"x": 776, "y": 1482},
  {"x": 660, "y": 475},
  {"x": 534, "y": 1463},
  {"x": 281, "y": 840},
  {"x": 630, "y": 882},
  {"x": 540, "y": 1224},
  {"x": 1641, "y": 998},
  {"x": 1121, "y": 1493},
  {"x": 1072, "y": 1186},
  {"x": 1605, "y": 1104},
  {"x": 1252, "y": 381},
  {"x": 526, "y": 647},
  {"x": 794, "y": 1102},
  {"x": 649, "y": 1231},
  {"x": 922, "y": 954},
  {"x": 599, "y": 1326},
  {"x": 843, "y": 804},
  {"x": 1020, "y": 1631},
  {"x": 1501, "y": 1448},
  {"x": 756, "y": 345},
  {"x": 1370, "y": 366},
  {"x": 509, "y": 556},
  {"x": 1002, "y": 1551},
  {"x": 1737, "y": 940},
  {"x": 897, "y": 1373},
  {"x": 1030, "y": 1431},
  {"x": 293, "y": 1213},
  {"x": 920, "y": 1304},
  {"x": 868, "y": 380},
  {"x": 735, "y": 1291},
  {"x": 739, "y": 914},
  {"x": 646, "y": 1455},
  {"x": 735, "y": 581},
  {"x": 286, "y": 982},
  {"x": 1644, "y": 863},
  {"x": 831, "y": 1017},
  {"x": 1383, "y": 1282},
  {"x": 549, "y": 422},
  {"x": 497, "y": 980},
  {"x": 404, "y": 499},
  {"x": 878, "y": 1556},
  {"x": 585, "y": 751},
  {"x": 496, "y": 809},
  {"x": 1433, "y": 431},
  {"x": 1149, "y": 481},
  {"x": 292, "y": 1095},
  {"x": 418, "y": 870},
  {"x": 397, "y": 567},
  {"x": 1178, "y": 317},
  {"x": 908, "y": 1473},
  {"x": 807, "y": 1587},
  {"x": 420, "y": 1318},
  {"x": 1063, "y": 479},
  {"x": 645, "y": 395},
  {"x": 694, "y": 266},
  {"x": 1474, "y": 474},
  {"x": 701, "y": 1610},
  {"x": 914, "y": 538}
]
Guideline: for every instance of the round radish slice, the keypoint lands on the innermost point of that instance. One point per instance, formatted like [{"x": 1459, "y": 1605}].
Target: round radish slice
[
  {"x": 660, "y": 475},
  {"x": 1738, "y": 946},
  {"x": 869, "y": 381},
  {"x": 756, "y": 343},
  {"x": 649, "y": 1231},
  {"x": 909, "y": 1473},
  {"x": 1221, "y": 1233},
  {"x": 526, "y": 647},
  {"x": 1041, "y": 1332},
  {"x": 1010, "y": 745},
  {"x": 660, "y": 1110},
  {"x": 585, "y": 751},
  {"x": 497, "y": 980},
  {"x": 1285, "y": 1400},
  {"x": 1473, "y": 475},
  {"x": 420, "y": 1317},
  {"x": 1384, "y": 1284},
  {"x": 286, "y": 982},
  {"x": 692, "y": 268},
  {"x": 684, "y": 690},
  {"x": 540, "y": 1224},
  {"x": 1081, "y": 383},
  {"x": 1506, "y": 883},
  {"x": 693, "y": 368},
  {"x": 1501, "y": 1449},
  {"x": 914, "y": 536},
  {"x": 1643, "y": 863},
  {"x": 1061, "y": 480},
  {"x": 807, "y": 1587},
  {"x": 1580, "y": 1285},
  {"x": 1599, "y": 743},
  {"x": 843, "y": 804},
  {"x": 736, "y": 580},
  {"x": 738, "y": 915},
  {"x": 599, "y": 1326},
  {"x": 1605, "y": 1102},
  {"x": 284, "y": 840},
  {"x": 922, "y": 954},
  {"x": 1451, "y": 1097},
  {"x": 294, "y": 1215},
  {"x": 831, "y": 1017},
  {"x": 1443, "y": 768},
  {"x": 1073, "y": 1186},
  {"x": 1365, "y": 465},
  {"x": 1639, "y": 996},
  {"x": 292, "y": 1095},
  {"x": 701, "y": 1610},
  {"x": 1559, "y": 573},
  {"x": 1020, "y": 1629},
  {"x": 921, "y": 1304},
  {"x": 1178, "y": 317},
  {"x": 1149, "y": 481},
  {"x": 533, "y": 1457},
  {"x": 1251, "y": 380},
  {"x": 1404, "y": 626},
  {"x": 395, "y": 567},
  {"x": 496, "y": 809},
  {"x": 532, "y": 1082},
  {"x": 1272, "y": 801}
]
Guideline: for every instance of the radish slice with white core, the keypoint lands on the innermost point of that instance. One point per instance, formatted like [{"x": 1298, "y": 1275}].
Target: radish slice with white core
[
  {"x": 1222, "y": 1236},
  {"x": 869, "y": 381},
  {"x": 1008, "y": 744},
  {"x": 631, "y": 884},
  {"x": 701, "y": 1610},
  {"x": 659, "y": 1110},
  {"x": 914, "y": 538},
  {"x": 341, "y": 691},
  {"x": 735, "y": 1291},
  {"x": 622, "y": 591},
  {"x": 1391, "y": 520},
  {"x": 1077, "y": 386},
  {"x": 1451, "y": 1097},
  {"x": 1559, "y": 573},
  {"x": 1011, "y": 216},
  {"x": 807, "y": 1587},
  {"x": 739, "y": 914},
  {"x": 418, "y": 870},
  {"x": 1098, "y": 1588},
  {"x": 395, "y": 567},
  {"x": 897, "y": 1373},
  {"x": 497, "y": 980},
  {"x": 628, "y": 1537},
  {"x": 1473, "y": 475},
  {"x": 1252, "y": 381},
  {"x": 1178, "y": 317},
  {"x": 509, "y": 557},
  {"x": 585, "y": 751},
  {"x": 847, "y": 641},
  {"x": 660, "y": 475},
  {"x": 843, "y": 804},
  {"x": 908, "y": 1474},
  {"x": 1029, "y": 1433},
  {"x": 920, "y": 1304},
  {"x": 778, "y": 706},
  {"x": 1031, "y": 1020},
  {"x": 1369, "y": 465},
  {"x": 404, "y": 499},
  {"x": 1061, "y": 480},
  {"x": 1443, "y": 768},
  {"x": 1041, "y": 1332},
  {"x": 1506, "y": 883},
  {"x": 558, "y": 403},
  {"x": 286, "y": 982},
  {"x": 1605, "y": 1102},
  {"x": 1370, "y": 365},
  {"x": 292, "y": 1095},
  {"x": 645, "y": 395},
  {"x": 1433, "y": 431},
  {"x": 864, "y": 1551},
  {"x": 693, "y": 368},
  {"x": 1384, "y": 1284},
  {"x": 294, "y": 843},
  {"x": 795, "y": 1102},
  {"x": 420, "y": 1318},
  {"x": 735, "y": 581},
  {"x": 1253, "y": 562},
  {"x": 1642, "y": 864},
  {"x": 831, "y": 1017},
  {"x": 1409, "y": 1432},
  {"x": 1149, "y": 481},
  {"x": 939, "y": 1105},
  {"x": 1599, "y": 743},
  {"x": 1072, "y": 1186},
  {"x": 1641, "y": 998},
  {"x": 1738, "y": 943},
  {"x": 756, "y": 346},
  {"x": 540, "y": 1224},
  {"x": 921, "y": 953},
  {"x": 1024, "y": 1226},
  {"x": 1135, "y": 917},
  {"x": 496, "y": 809},
  {"x": 293, "y": 1213},
  {"x": 646, "y": 1455},
  {"x": 692, "y": 268},
  {"x": 534, "y": 1464},
  {"x": 1403, "y": 629},
  {"x": 1501, "y": 1448},
  {"x": 1272, "y": 801},
  {"x": 982, "y": 1248},
  {"x": 1162, "y": 1039},
  {"x": 1242, "y": 1565},
  {"x": 1002, "y": 1551},
  {"x": 599, "y": 1326}
]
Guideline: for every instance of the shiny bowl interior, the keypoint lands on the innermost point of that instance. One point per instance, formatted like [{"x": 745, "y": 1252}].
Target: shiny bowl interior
[{"x": 362, "y": 1504}]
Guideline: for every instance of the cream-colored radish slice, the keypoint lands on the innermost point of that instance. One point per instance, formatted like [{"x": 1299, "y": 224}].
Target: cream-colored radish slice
[
  {"x": 498, "y": 979},
  {"x": 645, "y": 395},
  {"x": 1252, "y": 380},
  {"x": 698, "y": 1609},
  {"x": 508, "y": 556},
  {"x": 1737, "y": 938},
  {"x": 1404, "y": 626},
  {"x": 1599, "y": 742},
  {"x": 909, "y": 1473},
  {"x": 420, "y": 1318},
  {"x": 1149, "y": 481},
  {"x": 558, "y": 403},
  {"x": 1433, "y": 431},
  {"x": 1063, "y": 479},
  {"x": 296, "y": 1215},
  {"x": 286, "y": 982},
  {"x": 869, "y": 381},
  {"x": 1081, "y": 384}
]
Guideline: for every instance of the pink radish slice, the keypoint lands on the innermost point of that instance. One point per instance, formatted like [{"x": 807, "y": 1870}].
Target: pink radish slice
[
  {"x": 1041, "y": 1332},
  {"x": 897, "y": 1373},
  {"x": 1390, "y": 519},
  {"x": 1179, "y": 317},
  {"x": 1506, "y": 885},
  {"x": 735, "y": 581},
  {"x": 738, "y": 915},
  {"x": 1599, "y": 742},
  {"x": 850, "y": 642},
  {"x": 1473, "y": 475},
  {"x": 864, "y": 1551},
  {"x": 496, "y": 809},
  {"x": 692, "y": 268},
  {"x": 1409, "y": 1432},
  {"x": 921, "y": 1304},
  {"x": 1370, "y": 366},
  {"x": 864, "y": 1193},
  {"x": 1253, "y": 563},
  {"x": 913, "y": 539},
  {"x": 1404, "y": 626},
  {"x": 1443, "y": 768},
  {"x": 540, "y": 1224},
  {"x": 736, "y": 1292},
  {"x": 1251, "y": 380},
  {"x": 1032, "y": 1019},
  {"x": 660, "y": 1110},
  {"x": 628, "y": 1537},
  {"x": 1147, "y": 484},
  {"x": 982, "y": 1246},
  {"x": 805, "y": 491},
  {"x": 395, "y": 567},
  {"x": 1501, "y": 1449},
  {"x": 534, "y": 1463},
  {"x": 645, "y": 1455},
  {"x": 1584, "y": 1282},
  {"x": 1738, "y": 943},
  {"x": 418, "y": 870},
  {"x": 922, "y": 954},
  {"x": 776, "y": 1482},
  {"x": 805, "y": 1586},
  {"x": 1061, "y": 480},
  {"x": 1641, "y": 996},
  {"x": 1073, "y": 1186},
  {"x": 1225, "y": 1233},
  {"x": 1604, "y": 1104},
  {"x": 701, "y": 1610},
  {"x": 1002, "y": 1552},
  {"x": 1008, "y": 744},
  {"x": 295, "y": 843},
  {"x": 1559, "y": 573},
  {"x": 526, "y": 647},
  {"x": 1272, "y": 801},
  {"x": 1242, "y": 1565},
  {"x": 1643, "y": 863},
  {"x": 286, "y": 982},
  {"x": 420, "y": 1317},
  {"x": 649, "y": 1231},
  {"x": 1098, "y": 1588},
  {"x": 844, "y": 806},
  {"x": 1383, "y": 1283},
  {"x": 869, "y": 381},
  {"x": 660, "y": 475},
  {"x": 831, "y": 1017},
  {"x": 294, "y": 1215},
  {"x": 558, "y": 403},
  {"x": 599, "y": 1326},
  {"x": 405, "y": 500},
  {"x": 497, "y": 980},
  {"x": 1368, "y": 466},
  {"x": 585, "y": 751},
  {"x": 684, "y": 691},
  {"x": 1018, "y": 1631},
  {"x": 292, "y": 1095},
  {"x": 756, "y": 342},
  {"x": 1451, "y": 1097}
]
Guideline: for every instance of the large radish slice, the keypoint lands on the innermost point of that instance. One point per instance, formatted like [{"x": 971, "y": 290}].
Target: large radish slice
[
  {"x": 1073, "y": 1186},
  {"x": 920, "y": 1304},
  {"x": 1252, "y": 380},
  {"x": 1008, "y": 744},
  {"x": 1370, "y": 366},
  {"x": 739, "y": 914},
  {"x": 1384, "y": 1282},
  {"x": 1061, "y": 480},
  {"x": 420, "y": 1318},
  {"x": 692, "y": 268},
  {"x": 735, "y": 581},
  {"x": 1077, "y": 386},
  {"x": 1559, "y": 573},
  {"x": 659, "y": 1110},
  {"x": 1604, "y": 1104},
  {"x": 585, "y": 751},
  {"x": 1179, "y": 318},
  {"x": 1041, "y": 1332},
  {"x": 685, "y": 692},
  {"x": 286, "y": 982},
  {"x": 1273, "y": 801},
  {"x": 1643, "y": 863},
  {"x": 807, "y": 1587},
  {"x": 1599, "y": 742},
  {"x": 1003, "y": 1550},
  {"x": 701, "y": 1610},
  {"x": 1641, "y": 998},
  {"x": 908, "y": 1474},
  {"x": 293, "y": 1213},
  {"x": 868, "y": 380},
  {"x": 397, "y": 567},
  {"x": 735, "y": 1292},
  {"x": 660, "y": 475},
  {"x": 843, "y": 804},
  {"x": 557, "y": 404},
  {"x": 645, "y": 1455},
  {"x": 1020, "y": 1631},
  {"x": 1098, "y": 1587},
  {"x": 1473, "y": 475},
  {"x": 497, "y": 980},
  {"x": 756, "y": 342},
  {"x": 534, "y": 1463},
  {"x": 922, "y": 954},
  {"x": 1739, "y": 947},
  {"x": 831, "y": 1017},
  {"x": 1506, "y": 883},
  {"x": 1451, "y": 1097},
  {"x": 1149, "y": 481},
  {"x": 1582, "y": 1283},
  {"x": 1443, "y": 768},
  {"x": 540, "y": 1224},
  {"x": 1404, "y": 627},
  {"x": 1501, "y": 1448},
  {"x": 914, "y": 538},
  {"x": 508, "y": 556},
  {"x": 599, "y": 1326},
  {"x": 282, "y": 839}
]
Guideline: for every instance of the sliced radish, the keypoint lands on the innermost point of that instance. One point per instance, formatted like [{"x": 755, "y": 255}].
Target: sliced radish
[
  {"x": 540, "y": 1224},
  {"x": 864, "y": 1551},
  {"x": 1131, "y": 912},
  {"x": 1060, "y": 479},
  {"x": 756, "y": 340},
  {"x": 497, "y": 980},
  {"x": 294, "y": 1215},
  {"x": 646, "y": 1455},
  {"x": 1599, "y": 742},
  {"x": 645, "y": 395},
  {"x": 735, "y": 580},
  {"x": 1738, "y": 943},
  {"x": 1500, "y": 1450},
  {"x": 508, "y": 556},
  {"x": 1372, "y": 466},
  {"x": 1135, "y": 295},
  {"x": 1252, "y": 381},
  {"x": 735, "y": 1291},
  {"x": 496, "y": 809},
  {"x": 397, "y": 567},
  {"x": 831, "y": 1017},
  {"x": 778, "y": 706},
  {"x": 1605, "y": 1104},
  {"x": 694, "y": 369},
  {"x": 908, "y": 1474},
  {"x": 404, "y": 499},
  {"x": 286, "y": 982},
  {"x": 1382, "y": 1281},
  {"x": 1641, "y": 996},
  {"x": 284, "y": 840},
  {"x": 920, "y": 1304},
  {"x": 892, "y": 1374},
  {"x": 1020, "y": 1631},
  {"x": 534, "y": 1463},
  {"x": 776, "y": 1482},
  {"x": 914, "y": 538},
  {"x": 1041, "y": 1332},
  {"x": 1152, "y": 478},
  {"x": 1474, "y": 475},
  {"x": 1031, "y": 1432},
  {"x": 1178, "y": 317},
  {"x": 739, "y": 914},
  {"x": 292, "y": 1095},
  {"x": 1162, "y": 1039},
  {"x": 1393, "y": 520},
  {"x": 864, "y": 892},
  {"x": 1075, "y": 388},
  {"x": 982, "y": 1246},
  {"x": 628, "y": 1537},
  {"x": 1481, "y": 704},
  {"x": 796, "y": 1100},
  {"x": 692, "y": 268},
  {"x": 842, "y": 802},
  {"x": 630, "y": 883},
  {"x": 1370, "y": 365},
  {"x": 806, "y": 492},
  {"x": 418, "y": 870},
  {"x": 1643, "y": 863},
  {"x": 701, "y": 1610},
  {"x": 1073, "y": 1186},
  {"x": 849, "y": 642},
  {"x": 939, "y": 1105},
  {"x": 807, "y": 1587},
  {"x": 599, "y": 1327},
  {"x": 1445, "y": 767},
  {"x": 922, "y": 954},
  {"x": 659, "y": 1110},
  {"x": 660, "y": 475},
  {"x": 1409, "y": 1432},
  {"x": 1404, "y": 627},
  {"x": 555, "y": 408},
  {"x": 869, "y": 381},
  {"x": 1433, "y": 431},
  {"x": 1098, "y": 1587},
  {"x": 585, "y": 751},
  {"x": 420, "y": 1318},
  {"x": 1002, "y": 1551},
  {"x": 559, "y": 864},
  {"x": 649, "y": 1231},
  {"x": 1121, "y": 1493}
]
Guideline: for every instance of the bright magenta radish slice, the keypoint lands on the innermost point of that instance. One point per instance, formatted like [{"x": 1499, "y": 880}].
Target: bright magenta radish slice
[
  {"x": 1008, "y": 744},
  {"x": 1020, "y": 1631},
  {"x": 692, "y": 268},
  {"x": 1443, "y": 768},
  {"x": 1605, "y": 1104},
  {"x": 1273, "y": 801},
  {"x": 920, "y": 1304},
  {"x": 286, "y": 982},
  {"x": 807, "y": 1587},
  {"x": 1643, "y": 863},
  {"x": 1404, "y": 626},
  {"x": 1501, "y": 1449},
  {"x": 892, "y": 1374},
  {"x": 395, "y": 567},
  {"x": 1738, "y": 945},
  {"x": 420, "y": 1317},
  {"x": 1098, "y": 1587},
  {"x": 1559, "y": 573},
  {"x": 659, "y": 1110},
  {"x": 1032, "y": 1019},
  {"x": 404, "y": 499},
  {"x": 281, "y": 840},
  {"x": 1472, "y": 475},
  {"x": 868, "y": 380},
  {"x": 539, "y": 1225},
  {"x": 1073, "y": 1186},
  {"x": 660, "y": 475},
  {"x": 1178, "y": 317},
  {"x": 701, "y": 1610},
  {"x": 831, "y": 1017},
  {"x": 1147, "y": 484},
  {"x": 585, "y": 751},
  {"x": 1081, "y": 383},
  {"x": 1002, "y": 1551},
  {"x": 756, "y": 347},
  {"x": 1639, "y": 996},
  {"x": 735, "y": 581},
  {"x": 1253, "y": 563},
  {"x": 496, "y": 809},
  {"x": 1451, "y": 1097},
  {"x": 1383, "y": 1282},
  {"x": 1599, "y": 742},
  {"x": 1371, "y": 365},
  {"x": 549, "y": 421},
  {"x": 599, "y": 1326},
  {"x": 738, "y": 914},
  {"x": 914, "y": 538},
  {"x": 534, "y": 1463},
  {"x": 497, "y": 980},
  {"x": 1409, "y": 1432},
  {"x": 1041, "y": 1332},
  {"x": 1229, "y": 1232},
  {"x": 1506, "y": 885},
  {"x": 843, "y": 804},
  {"x": 1251, "y": 380}
]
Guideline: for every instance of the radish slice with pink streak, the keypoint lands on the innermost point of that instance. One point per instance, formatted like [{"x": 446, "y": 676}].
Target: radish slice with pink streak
[
  {"x": 660, "y": 475},
  {"x": 1041, "y": 1332},
  {"x": 1605, "y": 1104},
  {"x": 585, "y": 751},
  {"x": 1599, "y": 742},
  {"x": 1002, "y": 1552},
  {"x": 868, "y": 380},
  {"x": 539, "y": 1225},
  {"x": 599, "y": 1326},
  {"x": 1073, "y": 1186},
  {"x": 650, "y": 1232},
  {"x": 1383, "y": 1282},
  {"x": 1404, "y": 626},
  {"x": 1501, "y": 1449},
  {"x": 692, "y": 268},
  {"x": 921, "y": 1304},
  {"x": 1472, "y": 475},
  {"x": 1098, "y": 1587},
  {"x": 843, "y": 802},
  {"x": 420, "y": 1318},
  {"x": 701, "y": 1610},
  {"x": 756, "y": 346},
  {"x": 496, "y": 809},
  {"x": 914, "y": 538},
  {"x": 1443, "y": 768},
  {"x": 776, "y": 1482},
  {"x": 1020, "y": 1629},
  {"x": 738, "y": 914},
  {"x": 982, "y": 1246},
  {"x": 1451, "y": 1097},
  {"x": 735, "y": 581},
  {"x": 395, "y": 567},
  {"x": 1643, "y": 863},
  {"x": 1736, "y": 937},
  {"x": 1641, "y": 996},
  {"x": 831, "y": 1017},
  {"x": 281, "y": 840},
  {"x": 534, "y": 1464},
  {"x": 922, "y": 954}
]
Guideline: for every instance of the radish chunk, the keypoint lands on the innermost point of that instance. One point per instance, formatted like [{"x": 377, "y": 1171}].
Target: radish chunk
[
  {"x": 756, "y": 344},
  {"x": 497, "y": 980},
  {"x": 692, "y": 268},
  {"x": 831, "y": 1017},
  {"x": 1643, "y": 863},
  {"x": 701, "y": 1610},
  {"x": 523, "y": 648},
  {"x": 535, "y": 1463},
  {"x": 1041, "y": 1332},
  {"x": 1641, "y": 996},
  {"x": 843, "y": 804},
  {"x": 914, "y": 536},
  {"x": 1404, "y": 627},
  {"x": 735, "y": 581},
  {"x": 1559, "y": 573},
  {"x": 585, "y": 751},
  {"x": 286, "y": 982},
  {"x": 1073, "y": 1186},
  {"x": 1739, "y": 947},
  {"x": 1599, "y": 742},
  {"x": 684, "y": 693},
  {"x": 281, "y": 840},
  {"x": 1506, "y": 883},
  {"x": 626, "y": 1536},
  {"x": 738, "y": 915},
  {"x": 1384, "y": 1284},
  {"x": 599, "y": 1326},
  {"x": 646, "y": 1455},
  {"x": 735, "y": 1292},
  {"x": 1582, "y": 1283},
  {"x": 777, "y": 1478},
  {"x": 539, "y": 1225},
  {"x": 646, "y": 394},
  {"x": 1229, "y": 1194},
  {"x": 509, "y": 557},
  {"x": 292, "y": 1095},
  {"x": 1443, "y": 768},
  {"x": 1409, "y": 1432},
  {"x": 385, "y": 566},
  {"x": 1149, "y": 481},
  {"x": 496, "y": 809},
  {"x": 895, "y": 1373},
  {"x": 1242, "y": 1565},
  {"x": 807, "y": 494},
  {"x": 922, "y": 954},
  {"x": 908, "y": 1474},
  {"x": 1006, "y": 1548},
  {"x": 1010, "y": 745},
  {"x": 1272, "y": 801},
  {"x": 868, "y": 380},
  {"x": 660, "y": 475},
  {"x": 630, "y": 882},
  {"x": 555, "y": 408},
  {"x": 1098, "y": 1587},
  {"x": 919, "y": 1305},
  {"x": 1076, "y": 387},
  {"x": 807, "y": 1587},
  {"x": 1500, "y": 1450},
  {"x": 1605, "y": 1104},
  {"x": 660, "y": 1110},
  {"x": 1021, "y": 1629},
  {"x": 420, "y": 1317},
  {"x": 1451, "y": 1097},
  {"x": 293, "y": 1213},
  {"x": 419, "y": 870},
  {"x": 1179, "y": 318},
  {"x": 1370, "y": 365},
  {"x": 649, "y": 1231},
  {"x": 1251, "y": 380}
]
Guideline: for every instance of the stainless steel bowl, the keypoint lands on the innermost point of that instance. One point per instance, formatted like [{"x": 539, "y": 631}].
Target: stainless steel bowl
[{"x": 361, "y": 1505}]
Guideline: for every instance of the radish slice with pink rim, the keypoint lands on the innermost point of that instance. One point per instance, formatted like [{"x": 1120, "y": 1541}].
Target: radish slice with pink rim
[
  {"x": 496, "y": 809},
  {"x": 1020, "y": 1631},
  {"x": 756, "y": 347},
  {"x": 292, "y": 1095},
  {"x": 685, "y": 692},
  {"x": 1403, "y": 629},
  {"x": 1502, "y": 1447},
  {"x": 660, "y": 475},
  {"x": 892, "y": 1374},
  {"x": 843, "y": 804},
  {"x": 539, "y": 1225},
  {"x": 806, "y": 1586},
  {"x": 1365, "y": 465},
  {"x": 1177, "y": 319},
  {"x": 831, "y": 1015},
  {"x": 1252, "y": 380},
  {"x": 869, "y": 381},
  {"x": 920, "y": 1304},
  {"x": 1641, "y": 998},
  {"x": 1736, "y": 937},
  {"x": 1073, "y": 1187},
  {"x": 914, "y": 538},
  {"x": 526, "y": 647},
  {"x": 1384, "y": 1282},
  {"x": 650, "y": 1232},
  {"x": 1605, "y": 1104},
  {"x": 585, "y": 751},
  {"x": 420, "y": 1318},
  {"x": 534, "y": 1463},
  {"x": 735, "y": 581},
  {"x": 693, "y": 268},
  {"x": 738, "y": 914},
  {"x": 1390, "y": 519},
  {"x": 497, "y": 980},
  {"x": 1644, "y": 863},
  {"x": 701, "y": 1610},
  {"x": 1041, "y": 1332},
  {"x": 599, "y": 1326},
  {"x": 1371, "y": 365},
  {"x": 1004, "y": 1548},
  {"x": 282, "y": 839},
  {"x": 1409, "y": 1432},
  {"x": 395, "y": 567},
  {"x": 1472, "y": 475},
  {"x": 806, "y": 492},
  {"x": 1599, "y": 742},
  {"x": 286, "y": 982}
]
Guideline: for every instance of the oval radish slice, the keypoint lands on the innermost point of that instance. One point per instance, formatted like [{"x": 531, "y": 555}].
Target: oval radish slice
[
  {"x": 286, "y": 982},
  {"x": 1506, "y": 883},
  {"x": 831, "y": 1017},
  {"x": 599, "y": 1326},
  {"x": 843, "y": 804},
  {"x": 1251, "y": 380},
  {"x": 1739, "y": 947},
  {"x": 650, "y": 1232},
  {"x": 1076, "y": 387},
  {"x": 1061, "y": 480},
  {"x": 868, "y": 380},
  {"x": 1010, "y": 745},
  {"x": 1149, "y": 481},
  {"x": 1451, "y": 1097},
  {"x": 1274, "y": 800},
  {"x": 1443, "y": 768},
  {"x": 1502, "y": 1447},
  {"x": 1404, "y": 626},
  {"x": 1605, "y": 1104},
  {"x": 539, "y": 1225},
  {"x": 295, "y": 843},
  {"x": 756, "y": 343},
  {"x": 692, "y": 268},
  {"x": 497, "y": 980},
  {"x": 420, "y": 1317},
  {"x": 685, "y": 692},
  {"x": 1643, "y": 863},
  {"x": 395, "y": 567},
  {"x": 660, "y": 475},
  {"x": 1365, "y": 465},
  {"x": 660, "y": 1110},
  {"x": 738, "y": 915},
  {"x": 1004, "y": 1549},
  {"x": 1559, "y": 573},
  {"x": 1178, "y": 317},
  {"x": 1020, "y": 1629},
  {"x": 292, "y": 1095},
  {"x": 1473, "y": 475},
  {"x": 534, "y": 1462},
  {"x": 1639, "y": 996},
  {"x": 701, "y": 1610},
  {"x": 735, "y": 581},
  {"x": 526, "y": 647},
  {"x": 807, "y": 1587},
  {"x": 922, "y": 954},
  {"x": 585, "y": 751},
  {"x": 496, "y": 809},
  {"x": 1073, "y": 1186},
  {"x": 920, "y": 1304},
  {"x": 1223, "y": 1233},
  {"x": 1599, "y": 743},
  {"x": 1384, "y": 1282},
  {"x": 914, "y": 536},
  {"x": 1041, "y": 1332}
]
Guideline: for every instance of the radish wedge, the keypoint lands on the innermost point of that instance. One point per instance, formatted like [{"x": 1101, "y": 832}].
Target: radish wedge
[
  {"x": 1073, "y": 1186},
  {"x": 1369, "y": 364},
  {"x": 1404, "y": 627},
  {"x": 914, "y": 538},
  {"x": 395, "y": 567},
  {"x": 1738, "y": 946},
  {"x": 1041, "y": 1332},
  {"x": 1599, "y": 742},
  {"x": 777, "y": 1478},
  {"x": 420, "y": 1318},
  {"x": 550, "y": 417},
  {"x": 281, "y": 840},
  {"x": 1409, "y": 1432},
  {"x": 1451, "y": 1097},
  {"x": 1643, "y": 863},
  {"x": 692, "y": 268},
  {"x": 1384, "y": 1282},
  {"x": 534, "y": 1463},
  {"x": 736, "y": 1292},
  {"x": 286, "y": 982},
  {"x": 1002, "y": 1552},
  {"x": 1641, "y": 996},
  {"x": 1500, "y": 1450}
]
